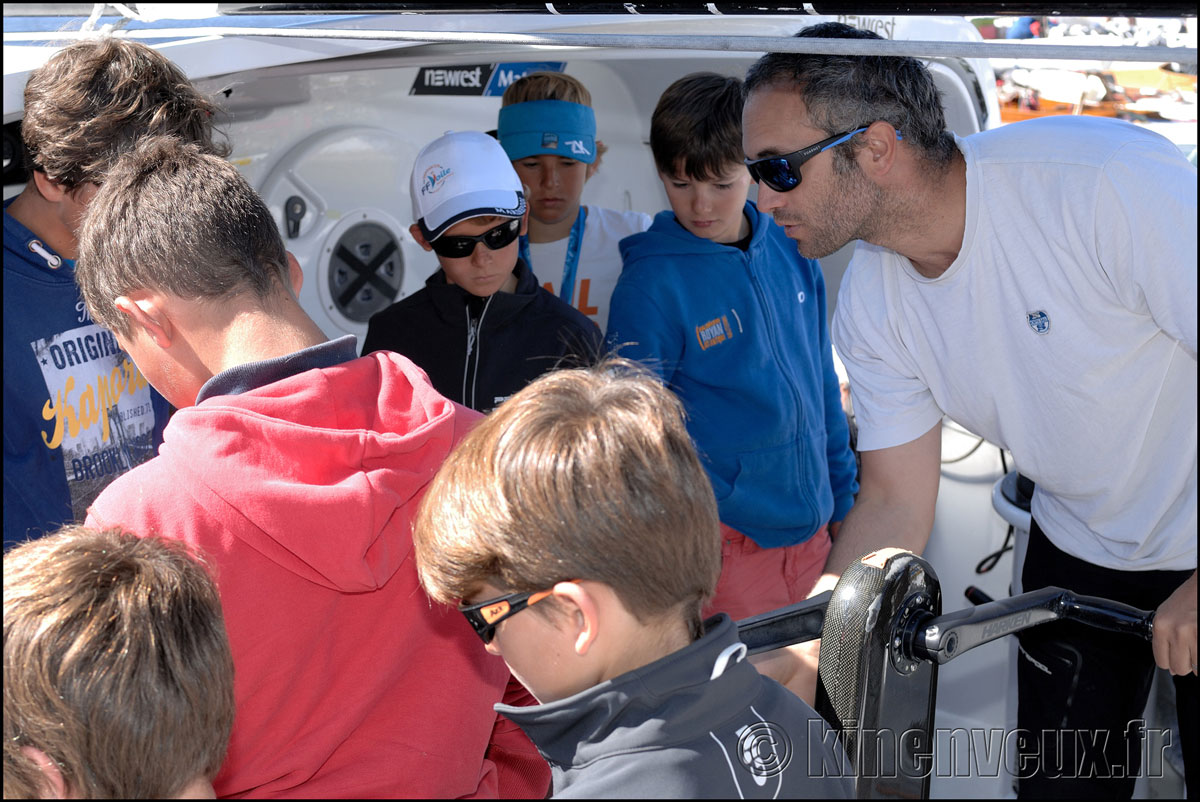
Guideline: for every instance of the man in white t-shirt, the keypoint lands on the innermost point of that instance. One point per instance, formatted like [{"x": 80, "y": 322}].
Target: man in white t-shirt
[{"x": 1036, "y": 283}]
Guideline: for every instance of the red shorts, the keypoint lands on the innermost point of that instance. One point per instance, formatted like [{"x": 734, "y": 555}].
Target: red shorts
[{"x": 755, "y": 580}]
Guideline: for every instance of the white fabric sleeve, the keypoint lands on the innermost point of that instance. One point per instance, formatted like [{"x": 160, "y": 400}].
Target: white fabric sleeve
[
  {"x": 1146, "y": 235},
  {"x": 892, "y": 403}
]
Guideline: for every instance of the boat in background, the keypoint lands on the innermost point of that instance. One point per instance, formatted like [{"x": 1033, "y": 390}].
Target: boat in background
[{"x": 1142, "y": 93}]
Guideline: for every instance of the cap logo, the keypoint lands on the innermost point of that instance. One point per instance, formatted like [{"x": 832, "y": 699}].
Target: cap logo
[
  {"x": 549, "y": 140},
  {"x": 435, "y": 177},
  {"x": 578, "y": 148}
]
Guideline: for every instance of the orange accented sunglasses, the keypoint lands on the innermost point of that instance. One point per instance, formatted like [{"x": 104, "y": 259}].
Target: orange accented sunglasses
[{"x": 486, "y": 615}]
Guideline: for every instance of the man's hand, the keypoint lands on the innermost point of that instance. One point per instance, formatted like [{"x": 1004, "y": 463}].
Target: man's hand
[
  {"x": 794, "y": 667},
  {"x": 1175, "y": 630}
]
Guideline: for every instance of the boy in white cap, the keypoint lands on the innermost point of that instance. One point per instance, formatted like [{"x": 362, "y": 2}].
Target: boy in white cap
[
  {"x": 483, "y": 327},
  {"x": 548, "y": 129}
]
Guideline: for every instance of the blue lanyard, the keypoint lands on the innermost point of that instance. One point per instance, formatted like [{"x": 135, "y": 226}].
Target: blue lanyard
[{"x": 567, "y": 290}]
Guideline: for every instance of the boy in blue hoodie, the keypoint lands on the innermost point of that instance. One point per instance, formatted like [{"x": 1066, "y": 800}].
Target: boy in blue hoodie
[{"x": 715, "y": 298}]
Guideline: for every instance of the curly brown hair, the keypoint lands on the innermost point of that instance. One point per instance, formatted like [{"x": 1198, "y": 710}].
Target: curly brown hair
[{"x": 93, "y": 99}]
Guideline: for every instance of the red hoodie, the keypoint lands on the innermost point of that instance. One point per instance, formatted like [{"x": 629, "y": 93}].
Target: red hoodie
[{"x": 350, "y": 682}]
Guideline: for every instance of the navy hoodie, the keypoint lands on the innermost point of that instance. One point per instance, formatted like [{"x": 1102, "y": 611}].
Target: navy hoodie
[
  {"x": 742, "y": 337},
  {"x": 77, "y": 412},
  {"x": 479, "y": 351}
]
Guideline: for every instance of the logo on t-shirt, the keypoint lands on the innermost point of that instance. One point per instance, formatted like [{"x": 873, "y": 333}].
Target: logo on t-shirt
[
  {"x": 99, "y": 416},
  {"x": 1039, "y": 321},
  {"x": 713, "y": 332}
]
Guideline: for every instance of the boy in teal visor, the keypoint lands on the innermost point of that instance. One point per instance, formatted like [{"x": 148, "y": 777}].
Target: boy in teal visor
[{"x": 548, "y": 129}]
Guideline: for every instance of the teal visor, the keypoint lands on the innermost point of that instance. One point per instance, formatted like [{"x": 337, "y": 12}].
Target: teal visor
[{"x": 557, "y": 127}]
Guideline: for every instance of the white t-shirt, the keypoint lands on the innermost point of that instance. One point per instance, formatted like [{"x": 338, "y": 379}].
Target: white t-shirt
[
  {"x": 1065, "y": 331},
  {"x": 599, "y": 260}
]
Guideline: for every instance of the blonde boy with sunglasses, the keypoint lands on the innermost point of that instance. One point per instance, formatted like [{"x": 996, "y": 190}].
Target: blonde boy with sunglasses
[{"x": 579, "y": 531}]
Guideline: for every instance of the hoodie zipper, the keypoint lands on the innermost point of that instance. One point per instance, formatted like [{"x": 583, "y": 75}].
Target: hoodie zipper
[
  {"x": 789, "y": 380},
  {"x": 471, "y": 367}
]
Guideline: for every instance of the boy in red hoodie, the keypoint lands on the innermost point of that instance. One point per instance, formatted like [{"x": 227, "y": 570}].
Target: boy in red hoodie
[{"x": 296, "y": 467}]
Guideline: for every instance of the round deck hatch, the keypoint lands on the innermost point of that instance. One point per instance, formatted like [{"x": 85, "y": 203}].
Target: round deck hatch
[{"x": 366, "y": 269}]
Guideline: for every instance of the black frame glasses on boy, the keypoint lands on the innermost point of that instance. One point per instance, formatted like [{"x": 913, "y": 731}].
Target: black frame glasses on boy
[
  {"x": 486, "y": 615},
  {"x": 782, "y": 173},
  {"x": 495, "y": 238}
]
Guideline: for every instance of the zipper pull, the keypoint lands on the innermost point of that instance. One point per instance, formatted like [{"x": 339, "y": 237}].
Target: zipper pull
[{"x": 472, "y": 335}]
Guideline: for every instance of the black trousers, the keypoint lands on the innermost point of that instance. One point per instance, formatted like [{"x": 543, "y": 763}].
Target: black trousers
[{"x": 1082, "y": 691}]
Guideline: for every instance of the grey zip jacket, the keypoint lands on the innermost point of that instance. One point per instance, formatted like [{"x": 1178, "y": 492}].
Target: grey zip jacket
[{"x": 698, "y": 723}]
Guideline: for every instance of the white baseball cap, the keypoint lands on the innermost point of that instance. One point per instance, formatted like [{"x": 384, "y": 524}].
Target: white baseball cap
[{"x": 460, "y": 175}]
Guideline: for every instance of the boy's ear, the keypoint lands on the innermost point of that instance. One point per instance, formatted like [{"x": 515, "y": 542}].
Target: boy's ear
[
  {"x": 581, "y": 603},
  {"x": 145, "y": 311},
  {"x": 415, "y": 230},
  {"x": 48, "y": 188},
  {"x": 295, "y": 274},
  {"x": 525, "y": 221},
  {"x": 53, "y": 786}
]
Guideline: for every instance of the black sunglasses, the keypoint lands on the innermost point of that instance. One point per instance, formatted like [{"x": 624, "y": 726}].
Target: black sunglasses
[
  {"x": 486, "y": 615},
  {"x": 495, "y": 238},
  {"x": 782, "y": 173}
]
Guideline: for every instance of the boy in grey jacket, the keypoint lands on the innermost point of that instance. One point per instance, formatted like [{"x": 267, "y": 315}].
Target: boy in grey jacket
[{"x": 582, "y": 497}]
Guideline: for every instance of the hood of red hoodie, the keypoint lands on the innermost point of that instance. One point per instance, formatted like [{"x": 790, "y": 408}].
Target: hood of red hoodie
[{"x": 345, "y": 454}]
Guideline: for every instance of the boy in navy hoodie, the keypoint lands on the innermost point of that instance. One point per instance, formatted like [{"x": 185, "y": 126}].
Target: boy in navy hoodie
[
  {"x": 70, "y": 426},
  {"x": 715, "y": 297}
]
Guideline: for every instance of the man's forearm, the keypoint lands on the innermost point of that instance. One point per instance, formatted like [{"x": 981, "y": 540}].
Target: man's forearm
[{"x": 872, "y": 525}]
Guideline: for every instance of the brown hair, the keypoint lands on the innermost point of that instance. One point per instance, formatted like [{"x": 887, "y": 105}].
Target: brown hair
[
  {"x": 551, "y": 86},
  {"x": 116, "y": 665},
  {"x": 698, "y": 120},
  {"x": 584, "y": 474},
  {"x": 93, "y": 99},
  {"x": 170, "y": 217}
]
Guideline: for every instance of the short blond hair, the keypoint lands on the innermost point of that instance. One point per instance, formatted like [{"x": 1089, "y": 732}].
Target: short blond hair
[
  {"x": 546, "y": 86},
  {"x": 586, "y": 473}
]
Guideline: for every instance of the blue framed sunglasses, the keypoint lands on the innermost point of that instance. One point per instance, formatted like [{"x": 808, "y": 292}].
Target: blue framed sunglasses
[{"x": 782, "y": 173}]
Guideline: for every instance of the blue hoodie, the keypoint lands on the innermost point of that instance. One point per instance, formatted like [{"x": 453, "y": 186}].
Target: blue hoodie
[{"x": 742, "y": 337}]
